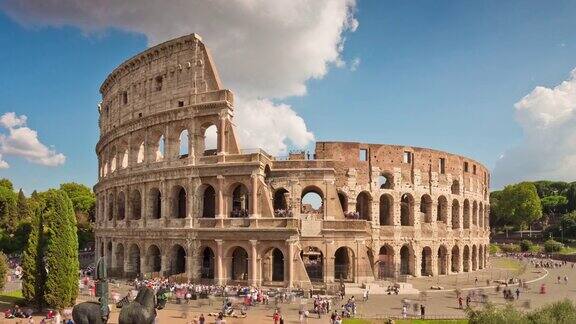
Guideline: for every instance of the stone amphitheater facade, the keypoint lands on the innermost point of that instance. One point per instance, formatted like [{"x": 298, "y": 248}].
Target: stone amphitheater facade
[{"x": 173, "y": 200}]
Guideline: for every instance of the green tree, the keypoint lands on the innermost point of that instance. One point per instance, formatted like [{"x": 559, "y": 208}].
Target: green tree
[
  {"x": 5, "y": 183},
  {"x": 571, "y": 195},
  {"x": 552, "y": 205},
  {"x": 83, "y": 200},
  {"x": 8, "y": 210},
  {"x": 520, "y": 204},
  {"x": 547, "y": 188},
  {"x": 33, "y": 275},
  {"x": 3, "y": 270},
  {"x": 491, "y": 314},
  {"x": 22, "y": 205}
]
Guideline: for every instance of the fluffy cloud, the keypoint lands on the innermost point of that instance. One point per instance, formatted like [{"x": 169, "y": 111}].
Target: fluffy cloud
[
  {"x": 264, "y": 49},
  {"x": 548, "y": 119},
  {"x": 23, "y": 142}
]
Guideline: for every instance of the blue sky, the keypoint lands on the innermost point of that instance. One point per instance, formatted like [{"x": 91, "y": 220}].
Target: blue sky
[{"x": 439, "y": 74}]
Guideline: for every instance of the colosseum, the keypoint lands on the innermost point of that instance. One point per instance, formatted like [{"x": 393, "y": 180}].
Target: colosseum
[{"x": 178, "y": 195}]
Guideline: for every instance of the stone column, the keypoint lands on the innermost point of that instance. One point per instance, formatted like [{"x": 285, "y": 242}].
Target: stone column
[
  {"x": 220, "y": 280},
  {"x": 253, "y": 271},
  {"x": 142, "y": 262},
  {"x": 434, "y": 261},
  {"x": 165, "y": 263},
  {"x": 220, "y": 212},
  {"x": 254, "y": 196},
  {"x": 290, "y": 279},
  {"x": 417, "y": 261},
  {"x": 222, "y": 136}
]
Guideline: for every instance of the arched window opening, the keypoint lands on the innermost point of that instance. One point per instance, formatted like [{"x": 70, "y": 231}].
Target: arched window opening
[
  {"x": 455, "y": 259},
  {"x": 280, "y": 203},
  {"x": 109, "y": 255},
  {"x": 426, "y": 265},
  {"x": 406, "y": 260},
  {"x": 110, "y": 207},
  {"x": 480, "y": 215},
  {"x": 474, "y": 258},
  {"x": 386, "y": 262},
  {"x": 312, "y": 202},
  {"x": 134, "y": 260},
  {"x": 273, "y": 266},
  {"x": 475, "y": 213},
  {"x": 386, "y": 210},
  {"x": 207, "y": 268},
  {"x": 407, "y": 210},
  {"x": 343, "y": 199},
  {"x": 386, "y": 181},
  {"x": 121, "y": 206},
  {"x": 363, "y": 206},
  {"x": 160, "y": 152},
  {"x": 119, "y": 257},
  {"x": 239, "y": 269},
  {"x": 155, "y": 203},
  {"x": 442, "y": 260},
  {"x": 426, "y": 209},
  {"x": 177, "y": 260},
  {"x": 466, "y": 258},
  {"x": 140, "y": 157},
  {"x": 313, "y": 260},
  {"x": 184, "y": 142},
  {"x": 113, "y": 160},
  {"x": 455, "y": 188},
  {"x": 209, "y": 202},
  {"x": 180, "y": 202},
  {"x": 106, "y": 169},
  {"x": 125, "y": 159},
  {"x": 136, "y": 200},
  {"x": 442, "y": 209},
  {"x": 240, "y": 200},
  {"x": 455, "y": 214},
  {"x": 211, "y": 141},
  {"x": 153, "y": 259},
  {"x": 466, "y": 215},
  {"x": 344, "y": 264}
]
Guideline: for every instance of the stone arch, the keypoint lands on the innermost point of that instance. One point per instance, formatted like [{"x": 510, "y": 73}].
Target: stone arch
[
  {"x": 280, "y": 202},
  {"x": 153, "y": 259},
  {"x": 133, "y": 259},
  {"x": 343, "y": 199},
  {"x": 240, "y": 200},
  {"x": 155, "y": 203},
  {"x": 386, "y": 262},
  {"x": 312, "y": 200},
  {"x": 456, "y": 259},
  {"x": 180, "y": 202},
  {"x": 407, "y": 260},
  {"x": 466, "y": 216},
  {"x": 183, "y": 144},
  {"x": 119, "y": 256},
  {"x": 207, "y": 263},
  {"x": 109, "y": 254},
  {"x": 113, "y": 159},
  {"x": 480, "y": 257},
  {"x": 177, "y": 259},
  {"x": 426, "y": 208},
  {"x": 474, "y": 258},
  {"x": 273, "y": 265},
  {"x": 313, "y": 260},
  {"x": 407, "y": 210},
  {"x": 136, "y": 203},
  {"x": 344, "y": 264},
  {"x": 110, "y": 206},
  {"x": 386, "y": 180},
  {"x": 209, "y": 144},
  {"x": 480, "y": 215},
  {"x": 455, "y": 187},
  {"x": 208, "y": 195},
  {"x": 475, "y": 213},
  {"x": 386, "y": 210},
  {"x": 125, "y": 157},
  {"x": 238, "y": 264},
  {"x": 426, "y": 264},
  {"x": 141, "y": 153},
  {"x": 442, "y": 210},
  {"x": 455, "y": 214},
  {"x": 160, "y": 151},
  {"x": 364, "y": 205},
  {"x": 442, "y": 258},
  {"x": 466, "y": 258},
  {"x": 121, "y": 205}
]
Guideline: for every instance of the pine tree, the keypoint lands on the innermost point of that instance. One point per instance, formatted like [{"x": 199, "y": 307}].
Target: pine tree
[
  {"x": 22, "y": 204},
  {"x": 8, "y": 210}
]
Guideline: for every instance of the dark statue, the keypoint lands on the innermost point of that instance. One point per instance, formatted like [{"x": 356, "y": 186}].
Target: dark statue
[
  {"x": 92, "y": 312},
  {"x": 142, "y": 310}
]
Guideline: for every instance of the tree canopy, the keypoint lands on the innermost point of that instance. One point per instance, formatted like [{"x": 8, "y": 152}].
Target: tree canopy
[{"x": 517, "y": 204}]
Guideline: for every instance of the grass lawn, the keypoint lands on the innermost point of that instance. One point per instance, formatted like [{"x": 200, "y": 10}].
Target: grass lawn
[
  {"x": 7, "y": 299},
  {"x": 408, "y": 321},
  {"x": 568, "y": 250},
  {"x": 507, "y": 264}
]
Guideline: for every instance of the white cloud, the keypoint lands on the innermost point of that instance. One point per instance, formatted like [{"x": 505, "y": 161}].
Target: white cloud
[
  {"x": 548, "y": 119},
  {"x": 263, "y": 49},
  {"x": 354, "y": 64},
  {"x": 23, "y": 142}
]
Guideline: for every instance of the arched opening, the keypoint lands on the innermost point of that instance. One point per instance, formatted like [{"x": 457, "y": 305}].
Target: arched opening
[
  {"x": 455, "y": 259},
  {"x": 209, "y": 202},
  {"x": 474, "y": 258},
  {"x": 386, "y": 181},
  {"x": 113, "y": 160},
  {"x": 386, "y": 262},
  {"x": 155, "y": 202},
  {"x": 466, "y": 258},
  {"x": 455, "y": 188},
  {"x": 207, "y": 270},
  {"x": 119, "y": 257},
  {"x": 386, "y": 210},
  {"x": 312, "y": 201},
  {"x": 363, "y": 205},
  {"x": 442, "y": 260},
  {"x": 183, "y": 139},
  {"x": 140, "y": 156},
  {"x": 109, "y": 255},
  {"x": 426, "y": 264},
  {"x": 407, "y": 210},
  {"x": 210, "y": 141},
  {"x": 124, "y": 162},
  {"x": 273, "y": 265},
  {"x": 475, "y": 213},
  {"x": 239, "y": 264},
  {"x": 240, "y": 199},
  {"x": 442, "y": 210},
  {"x": 110, "y": 207},
  {"x": 180, "y": 202},
  {"x": 313, "y": 260},
  {"x": 134, "y": 260},
  {"x": 455, "y": 214},
  {"x": 160, "y": 148},
  {"x": 280, "y": 203},
  {"x": 466, "y": 220},
  {"x": 177, "y": 260},
  {"x": 121, "y": 206},
  {"x": 153, "y": 259},
  {"x": 136, "y": 201},
  {"x": 426, "y": 209},
  {"x": 344, "y": 264},
  {"x": 406, "y": 260},
  {"x": 480, "y": 257},
  {"x": 480, "y": 215},
  {"x": 343, "y": 201}
]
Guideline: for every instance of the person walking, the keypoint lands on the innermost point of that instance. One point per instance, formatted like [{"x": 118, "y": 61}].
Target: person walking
[
  {"x": 565, "y": 280},
  {"x": 517, "y": 293},
  {"x": 422, "y": 311},
  {"x": 460, "y": 302},
  {"x": 404, "y": 311}
]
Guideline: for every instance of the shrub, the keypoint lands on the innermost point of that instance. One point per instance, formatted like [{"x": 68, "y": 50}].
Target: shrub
[
  {"x": 557, "y": 312},
  {"x": 3, "y": 270},
  {"x": 495, "y": 315},
  {"x": 494, "y": 248},
  {"x": 526, "y": 245},
  {"x": 553, "y": 246},
  {"x": 510, "y": 248}
]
